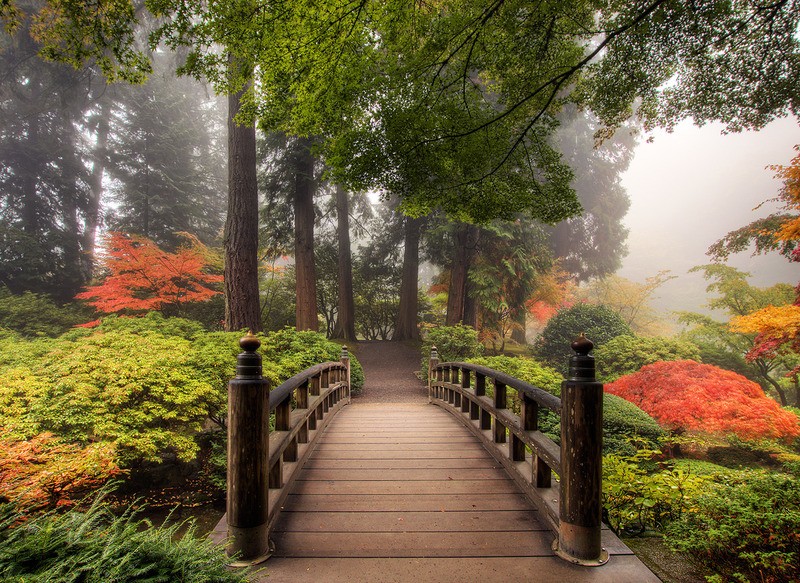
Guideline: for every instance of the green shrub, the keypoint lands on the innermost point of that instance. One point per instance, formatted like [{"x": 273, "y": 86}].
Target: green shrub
[
  {"x": 627, "y": 354},
  {"x": 144, "y": 385},
  {"x": 288, "y": 352},
  {"x": 453, "y": 343},
  {"x": 96, "y": 546},
  {"x": 636, "y": 499},
  {"x": 31, "y": 315},
  {"x": 152, "y": 323},
  {"x": 599, "y": 323},
  {"x": 627, "y": 428},
  {"x": 747, "y": 528}
]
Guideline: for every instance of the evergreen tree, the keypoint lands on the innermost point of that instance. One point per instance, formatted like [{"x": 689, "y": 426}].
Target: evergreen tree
[
  {"x": 166, "y": 161},
  {"x": 44, "y": 180}
]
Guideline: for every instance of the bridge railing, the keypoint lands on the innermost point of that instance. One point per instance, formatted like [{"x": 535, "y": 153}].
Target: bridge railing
[
  {"x": 264, "y": 463},
  {"x": 570, "y": 503}
]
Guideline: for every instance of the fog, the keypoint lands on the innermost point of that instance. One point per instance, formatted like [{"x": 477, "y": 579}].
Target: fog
[{"x": 691, "y": 187}]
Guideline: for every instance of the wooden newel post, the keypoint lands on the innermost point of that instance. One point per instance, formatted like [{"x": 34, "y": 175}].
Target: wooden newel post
[
  {"x": 345, "y": 358},
  {"x": 248, "y": 457},
  {"x": 581, "y": 461},
  {"x": 432, "y": 362}
]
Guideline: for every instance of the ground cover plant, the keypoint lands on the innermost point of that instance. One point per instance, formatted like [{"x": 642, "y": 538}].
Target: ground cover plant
[
  {"x": 747, "y": 526},
  {"x": 94, "y": 545}
]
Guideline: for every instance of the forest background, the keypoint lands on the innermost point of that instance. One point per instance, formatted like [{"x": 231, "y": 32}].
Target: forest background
[{"x": 366, "y": 149}]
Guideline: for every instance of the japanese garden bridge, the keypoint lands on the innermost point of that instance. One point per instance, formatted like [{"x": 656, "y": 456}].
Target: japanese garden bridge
[{"x": 467, "y": 490}]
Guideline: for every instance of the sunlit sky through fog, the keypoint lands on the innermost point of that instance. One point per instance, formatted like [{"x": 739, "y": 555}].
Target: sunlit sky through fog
[{"x": 691, "y": 187}]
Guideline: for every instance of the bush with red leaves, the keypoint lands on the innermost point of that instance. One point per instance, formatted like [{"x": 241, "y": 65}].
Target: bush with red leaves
[{"x": 686, "y": 395}]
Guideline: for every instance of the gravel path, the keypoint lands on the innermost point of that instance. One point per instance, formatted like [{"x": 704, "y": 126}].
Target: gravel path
[{"x": 389, "y": 370}]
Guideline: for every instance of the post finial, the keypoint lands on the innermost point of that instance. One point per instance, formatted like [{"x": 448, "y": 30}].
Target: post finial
[
  {"x": 248, "y": 363},
  {"x": 582, "y": 345},
  {"x": 581, "y": 364},
  {"x": 345, "y": 353},
  {"x": 434, "y": 352},
  {"x": 249, "y": 342}
]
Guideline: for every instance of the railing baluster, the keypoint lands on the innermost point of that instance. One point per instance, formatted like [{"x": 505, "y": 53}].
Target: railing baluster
[
  {"x": 500, "y": 402},
  {"x": 465, "y": 402}
]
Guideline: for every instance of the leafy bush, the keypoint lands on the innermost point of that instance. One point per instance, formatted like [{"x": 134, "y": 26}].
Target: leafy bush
[
  {"x": 96, "y": 546},
  {"x": 685, "y": 395},
  {"x": 600, "y": 324},
  {"x": 142, "y": 392},
  {"x": 635, "y": 500},
  {"x": 627, "y": 354},
  {"x": 31, "y": 315},
  {"x": 144, "y": 386},
  {"x": 288, "y": 352},
  {"x": 152, "y": 323},
  {"x": 453, "y": 343},
  {"x": 747, "y": 528},
  {"x": 626, "y": 427}
]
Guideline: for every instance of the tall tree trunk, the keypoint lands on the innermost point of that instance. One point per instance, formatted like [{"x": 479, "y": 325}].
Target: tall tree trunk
[
  {"x": 241, "y": 226},
  {"x": 471, "y": 307},
  {"x": 306, "y": 305},
  {"x": 406, "y": 327},
  {"x": 518, "y": 331},
  {"x": 466, "y": 239},
  {"x": 99, "y": 157},
  {"x": 346, "y": 318}
]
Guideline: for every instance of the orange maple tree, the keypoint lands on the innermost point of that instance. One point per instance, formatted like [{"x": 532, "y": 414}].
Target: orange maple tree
[
  {"x": 43, "y": 472},
  {"x": 686, "y": 395},
  {"x": 777, "y": 328},
  {"x": 143, "y": 277}
]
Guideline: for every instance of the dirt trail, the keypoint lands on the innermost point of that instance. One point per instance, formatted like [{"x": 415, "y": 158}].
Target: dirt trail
[{"x": 389, "y": 368}]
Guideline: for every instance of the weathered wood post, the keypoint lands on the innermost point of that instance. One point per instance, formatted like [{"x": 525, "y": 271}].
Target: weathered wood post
[
  {"x": 345, "y": 358},
  {"x": 432, "y": 362},
  {"x": 248, "y": 457},
  {"x": 581, "y": 461}
]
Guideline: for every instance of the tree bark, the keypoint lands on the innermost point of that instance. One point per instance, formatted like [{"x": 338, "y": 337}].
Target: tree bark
[
  {"x": 466, "y": 239},
  {"x": 242, "y": 309},
  {"x": 518, "y": 331},
  {"x": 406, "y": 327},
  {"x": 99, "y": 157},
  {"x": 306, "y": 287},
  {"x": 346, "y": 318}
]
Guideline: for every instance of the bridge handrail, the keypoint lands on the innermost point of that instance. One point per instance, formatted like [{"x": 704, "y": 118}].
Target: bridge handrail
[
  {"x": 539, "y": 395},
  {"x": 571, "y": 506},
  {"x": 263, "y": 464}
]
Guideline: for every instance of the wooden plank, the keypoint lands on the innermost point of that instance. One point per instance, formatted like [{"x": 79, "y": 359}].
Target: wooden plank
[
  {"x": 357, "y": 489},
  {"x": 395, "y": 521},
  {"x": 623, "y": 569},
  {"x": 455, "y": 441},
  {"x": 414, "y": 544},
  {"x": 405, "y": 502},
  {"x": 333, "y": 453},
  {"x": 404, "y": 449},
  {"x": 407, "y": 475},
  {"x": 326, "y": 463}
]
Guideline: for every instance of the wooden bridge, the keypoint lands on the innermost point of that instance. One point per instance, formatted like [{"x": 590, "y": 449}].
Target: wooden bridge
[{"x": 462, "y": 491}]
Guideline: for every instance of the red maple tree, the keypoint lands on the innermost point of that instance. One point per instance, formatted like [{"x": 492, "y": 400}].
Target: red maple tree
[
  {"x": 142, "y": 277},
  {"x": 686, "y": 395}
]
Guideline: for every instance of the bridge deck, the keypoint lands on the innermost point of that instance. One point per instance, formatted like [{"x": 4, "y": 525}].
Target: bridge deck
[{"x": 402, "y": 492}]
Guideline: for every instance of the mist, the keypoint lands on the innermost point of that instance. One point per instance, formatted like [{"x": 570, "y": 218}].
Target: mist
[{"x": 688, "y": 189}]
